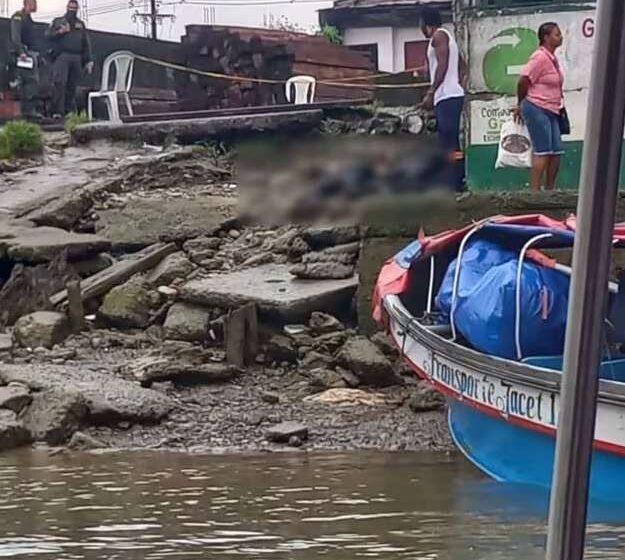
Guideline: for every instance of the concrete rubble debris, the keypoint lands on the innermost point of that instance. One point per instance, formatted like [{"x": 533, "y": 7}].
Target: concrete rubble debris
[
  {"x": 171, "y": 268},
  {"x": 84, "y": 442},
  {"x": 324, "y": 323},
  {"x": 41, "y": 329},
  {"x": 29, "y": 287},
  {"x": 108, "y": 398},
  {"x": 152, "y": 369},
  {"x": 385, "y": 344},
  {"x": 141, "y": 222},
  {"x": 6, "y": 342},
  {"x": 322, "y": 379},
  {"x": 22, "y": 243},
  {"x": 273, "y": 289},
  {"x": 12, "y": 432},
  {"x": 53, "y": 416},
  {"x": 192, "y": 130},
  {"x": 426, "y": 399},
  {"x": 280, "y": 349},
  {"x": 187, "y": 322},
  {"x": 281, "y": 433},
  {"x": 15, "y": 397},
  {"x": 172, "y": 380},
  {"x": 329, "y": 236},
  {"x": 364, "y": 359},
  {"x": 101, "y": 282},
  {"x": 129, "y": 305},
  {"x": 322, "y": 271}
]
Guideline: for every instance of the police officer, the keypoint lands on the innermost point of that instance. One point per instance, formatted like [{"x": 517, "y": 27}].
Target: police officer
[
  {"x": 26, "y": 58},
  {"x": 72, "y": 50}
]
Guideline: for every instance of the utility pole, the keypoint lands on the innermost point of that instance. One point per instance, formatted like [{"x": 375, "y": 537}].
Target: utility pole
[
  {"x": 599, "y": 183},
  {"x": 152, "y": 18},
  {"x": 153, "y": 15}
]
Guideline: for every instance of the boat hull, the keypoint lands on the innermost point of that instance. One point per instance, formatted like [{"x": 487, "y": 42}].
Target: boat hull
[
  {"x": 511, "y": 453},
  {"x": 504, "y": 414}
]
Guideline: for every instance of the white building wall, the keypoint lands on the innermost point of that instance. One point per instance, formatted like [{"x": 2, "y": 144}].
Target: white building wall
[{"x": 382, "y": 36}]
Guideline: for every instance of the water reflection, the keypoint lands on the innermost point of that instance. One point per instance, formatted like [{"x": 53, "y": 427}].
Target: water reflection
[{"x": 362, "y": 505}]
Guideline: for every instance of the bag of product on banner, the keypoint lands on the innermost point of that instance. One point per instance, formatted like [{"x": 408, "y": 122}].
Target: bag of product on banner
[{"x": 515, "y": 146}]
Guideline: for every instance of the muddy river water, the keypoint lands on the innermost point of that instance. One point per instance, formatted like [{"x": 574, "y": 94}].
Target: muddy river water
[{"x": 287, "y": 505}]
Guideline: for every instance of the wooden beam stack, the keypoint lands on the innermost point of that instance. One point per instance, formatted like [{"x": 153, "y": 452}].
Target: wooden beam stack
[{"x": 266, "y": 54}]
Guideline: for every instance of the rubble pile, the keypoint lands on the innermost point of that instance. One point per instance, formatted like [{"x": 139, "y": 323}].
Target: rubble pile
[{"x": 216, "y": 333}]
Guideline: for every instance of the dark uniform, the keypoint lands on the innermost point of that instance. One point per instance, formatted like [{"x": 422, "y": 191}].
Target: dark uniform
[
  {"x": 72, "y": 51},
  {"x": 23, "y": 43}
]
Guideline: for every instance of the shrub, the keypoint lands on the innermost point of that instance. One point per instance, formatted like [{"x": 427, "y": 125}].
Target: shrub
[
  {"x": 72, "y": 120},
  {"x": 20, "y": 139},
  {"x": 332, "y": 34}
]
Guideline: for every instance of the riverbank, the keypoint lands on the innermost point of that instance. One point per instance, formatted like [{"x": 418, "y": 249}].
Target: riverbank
[
  {"x": 207, "y": 328},
  {"x": 87, "y": 395}
]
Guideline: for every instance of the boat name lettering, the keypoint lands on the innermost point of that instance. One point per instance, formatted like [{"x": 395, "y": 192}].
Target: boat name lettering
[
  {"x": 507, "y": 398},
  {"x": 464, "y": 383}
]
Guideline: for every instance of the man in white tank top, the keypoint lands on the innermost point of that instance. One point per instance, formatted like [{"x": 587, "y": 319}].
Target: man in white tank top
[{"x": 446, "y": 94}]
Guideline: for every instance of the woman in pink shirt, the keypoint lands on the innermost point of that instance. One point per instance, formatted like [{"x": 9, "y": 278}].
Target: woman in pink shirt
[{"x": 540, "y": 93}]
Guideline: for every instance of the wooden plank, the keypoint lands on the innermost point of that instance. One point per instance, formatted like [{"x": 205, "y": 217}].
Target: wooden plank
[
  {"x": 241, "y": 332},
  {"x": 75, "y": 309},
  {"x": 117, "y": 274}
]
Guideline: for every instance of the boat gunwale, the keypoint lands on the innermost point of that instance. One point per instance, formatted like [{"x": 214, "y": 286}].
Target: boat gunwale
[{"x": 610, "y": 392}]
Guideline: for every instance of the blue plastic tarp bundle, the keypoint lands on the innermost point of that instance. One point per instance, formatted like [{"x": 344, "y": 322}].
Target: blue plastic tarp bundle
[{"x": 486, "y": 302}]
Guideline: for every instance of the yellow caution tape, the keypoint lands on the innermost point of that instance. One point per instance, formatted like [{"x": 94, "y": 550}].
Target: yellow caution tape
[{"x": 337, "y": 83}]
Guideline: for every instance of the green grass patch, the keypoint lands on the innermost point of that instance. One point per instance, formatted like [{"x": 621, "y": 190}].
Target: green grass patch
[
  {"x": 20, "y": 139},
  {"x": 72, "y": 120}
]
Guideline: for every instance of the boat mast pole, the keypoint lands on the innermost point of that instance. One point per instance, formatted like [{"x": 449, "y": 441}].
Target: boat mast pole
[{"x": 589, "y": 286}]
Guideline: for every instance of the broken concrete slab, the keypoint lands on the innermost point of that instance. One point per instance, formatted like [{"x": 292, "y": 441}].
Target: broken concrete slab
[
  {"x": 322, "y": 270},
  {"x": 277, "y": 294},
  {"x": 187, "y": 322},
  {"x": 12, "y": 432},
  {"x": 62, "y": 212},
  {"x": 6, "y": 342},
  {"x": 192, "y": 130},
  {"x": 320, "y": 237},
  {"x": 143, "y": 221},
  {"x": 283, "y": 432},
  {"x": 22, "y": 243},
  {"x": 53, "y": 416},
  {"x": 172, "y": 267},
  {"x": 362, "y": 357},
  {"x": 41, "y": 329},
  {"x": 108, "y": 398},
  {"x": 130, "y": 305},
  {"x": 152, "y": 369},
  {"x": 15, "y": 397}
]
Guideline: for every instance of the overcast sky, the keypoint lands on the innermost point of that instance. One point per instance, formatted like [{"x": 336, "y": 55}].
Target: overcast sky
[{"x": 116, "y": 15}]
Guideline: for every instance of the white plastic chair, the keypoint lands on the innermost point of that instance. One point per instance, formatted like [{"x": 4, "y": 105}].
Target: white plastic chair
[
  {"x": 303, "y": 85},
  {"x": 124, "y": 63}
]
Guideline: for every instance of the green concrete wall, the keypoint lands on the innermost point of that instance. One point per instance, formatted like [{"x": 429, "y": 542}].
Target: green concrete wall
[{"x": 482, "y": 175}]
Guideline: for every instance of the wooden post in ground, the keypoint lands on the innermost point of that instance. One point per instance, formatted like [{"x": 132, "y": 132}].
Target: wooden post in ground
[
  {"x": 75, "y": 308},
  {"x": 241, "y": 334}
]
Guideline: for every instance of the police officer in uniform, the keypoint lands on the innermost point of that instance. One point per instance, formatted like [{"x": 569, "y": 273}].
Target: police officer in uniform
[
  {"x": 72, "y": 50},
  {"x": 26, "y": 59}
]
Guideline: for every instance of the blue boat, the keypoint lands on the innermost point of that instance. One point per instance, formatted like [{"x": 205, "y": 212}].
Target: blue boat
[{"x": 478, "y": 314}]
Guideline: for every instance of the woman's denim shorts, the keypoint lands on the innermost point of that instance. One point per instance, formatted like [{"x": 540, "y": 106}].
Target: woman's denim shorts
[{"x": 544, "y": 129}]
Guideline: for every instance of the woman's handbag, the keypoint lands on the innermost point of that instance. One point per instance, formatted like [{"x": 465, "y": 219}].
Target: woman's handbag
[{"x": 564, "y": 122}]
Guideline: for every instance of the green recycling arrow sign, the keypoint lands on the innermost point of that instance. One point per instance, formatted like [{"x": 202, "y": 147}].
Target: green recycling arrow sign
[{"x": 503, "y": 62}]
